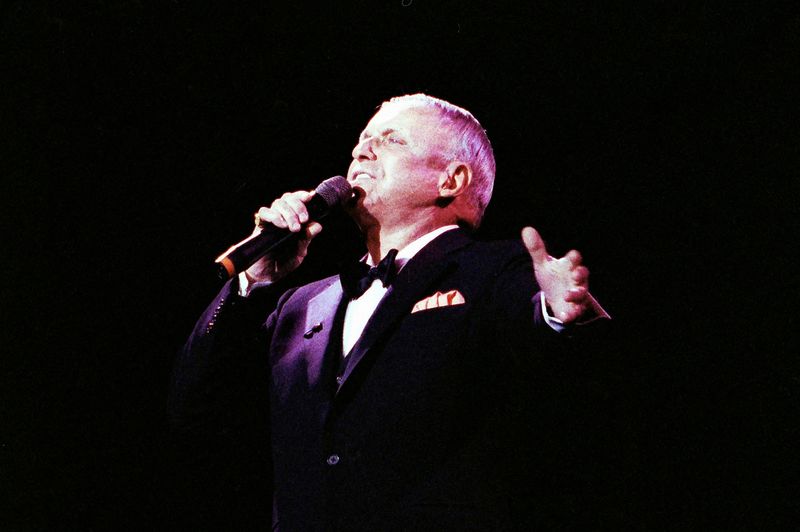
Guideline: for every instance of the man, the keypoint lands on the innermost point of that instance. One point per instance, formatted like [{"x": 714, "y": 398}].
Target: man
[{"x": 405, "y": 404}]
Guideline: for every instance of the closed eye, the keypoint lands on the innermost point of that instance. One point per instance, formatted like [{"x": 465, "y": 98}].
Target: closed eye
[{"x": 393, "y": 138}]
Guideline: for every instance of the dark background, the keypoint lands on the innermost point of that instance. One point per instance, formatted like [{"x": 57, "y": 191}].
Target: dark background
[{"x": 658, "y": 139}]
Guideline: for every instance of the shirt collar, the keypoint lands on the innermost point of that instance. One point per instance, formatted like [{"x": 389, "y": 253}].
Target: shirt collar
[{"x": 408, "y": 252}]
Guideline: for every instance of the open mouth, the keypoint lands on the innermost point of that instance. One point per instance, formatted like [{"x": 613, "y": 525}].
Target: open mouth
[{"x": 361, "y": 175}]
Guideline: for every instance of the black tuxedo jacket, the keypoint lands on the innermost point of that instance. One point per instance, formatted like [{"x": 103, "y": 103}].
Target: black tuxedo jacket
[{"x": 430, "y": 423}]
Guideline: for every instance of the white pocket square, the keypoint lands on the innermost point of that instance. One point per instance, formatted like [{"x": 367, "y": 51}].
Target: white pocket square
[{"x": 439, "y": 299}]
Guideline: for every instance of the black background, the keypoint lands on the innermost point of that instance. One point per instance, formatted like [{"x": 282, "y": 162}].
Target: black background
[{"x": 658, "y": 139}]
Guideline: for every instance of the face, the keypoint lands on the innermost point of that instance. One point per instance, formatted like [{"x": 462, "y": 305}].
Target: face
[{"x": 397, "y": 163}]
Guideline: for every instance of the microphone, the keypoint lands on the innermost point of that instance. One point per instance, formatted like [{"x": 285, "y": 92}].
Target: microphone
[{"x": 329, "y": 195}]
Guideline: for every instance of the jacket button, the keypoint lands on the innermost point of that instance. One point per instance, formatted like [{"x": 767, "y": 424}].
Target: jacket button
[{"x": 333, "y": 459}]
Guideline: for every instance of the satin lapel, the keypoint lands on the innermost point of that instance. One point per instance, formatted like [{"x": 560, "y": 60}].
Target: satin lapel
[
  {"x": 320, "y": 313},
  {"x": 411, "y": 285}
]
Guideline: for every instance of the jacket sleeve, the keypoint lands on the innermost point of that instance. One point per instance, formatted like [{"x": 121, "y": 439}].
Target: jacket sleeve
[
  {"x": 218, "y": 415},
  {"x": 220, "y": 375},
  {"x": 515, "y": 310}
]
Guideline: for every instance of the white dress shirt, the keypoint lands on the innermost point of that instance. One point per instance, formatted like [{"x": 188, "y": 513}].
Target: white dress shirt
[{"x": 360, "y": 310}]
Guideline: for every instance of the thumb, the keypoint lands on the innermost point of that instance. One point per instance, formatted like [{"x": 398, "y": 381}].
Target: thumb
[
  {"x": 535, "y": 245},
  {"x": 313, "y": 229}
]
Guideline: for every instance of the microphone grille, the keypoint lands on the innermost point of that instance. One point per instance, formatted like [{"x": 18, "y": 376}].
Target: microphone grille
[{"x": 335, "y": 191}]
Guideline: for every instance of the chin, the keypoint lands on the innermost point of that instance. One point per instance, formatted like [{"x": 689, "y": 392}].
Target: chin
[{"x": 360, "y": 213}]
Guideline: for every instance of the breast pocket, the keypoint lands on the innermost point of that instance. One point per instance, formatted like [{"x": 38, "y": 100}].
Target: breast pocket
[{"x": 435, "y": 329}]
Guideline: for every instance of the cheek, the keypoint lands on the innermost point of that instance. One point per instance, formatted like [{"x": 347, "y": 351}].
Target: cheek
[{"x": 405, "y": 181}]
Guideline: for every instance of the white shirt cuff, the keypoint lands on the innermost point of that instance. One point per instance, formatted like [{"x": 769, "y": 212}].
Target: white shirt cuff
[
  {"x": 554, "y": 323},
  {"x": 245, "y": 286}
]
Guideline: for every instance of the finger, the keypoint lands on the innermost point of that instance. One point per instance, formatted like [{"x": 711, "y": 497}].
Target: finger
[
  {"x": 574, "y": 257},
  {"x": 572, "y": 313},
  {"x": 576, "y": 295},
  {"x": 287, "y": 213},
  {"x": 305, "y": 195},
  {"x": 272, "y": 217},
  {"x": 535, "y": 245},
  {"x": 294, "y": 201},
  {"x": 580, "y": 274}
]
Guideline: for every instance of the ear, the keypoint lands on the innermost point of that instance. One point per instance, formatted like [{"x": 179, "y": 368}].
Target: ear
[{"x": 455, "y": 179}]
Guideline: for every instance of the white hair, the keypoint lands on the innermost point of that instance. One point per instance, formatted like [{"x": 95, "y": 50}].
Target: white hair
[{"x": 469, "y": 143}]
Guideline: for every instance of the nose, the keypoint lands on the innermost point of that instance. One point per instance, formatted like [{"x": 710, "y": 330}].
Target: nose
[{"x": 363, "y": 150}]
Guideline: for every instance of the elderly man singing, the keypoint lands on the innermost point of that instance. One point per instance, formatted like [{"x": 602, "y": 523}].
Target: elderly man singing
[{"x": 398, "y": 396}]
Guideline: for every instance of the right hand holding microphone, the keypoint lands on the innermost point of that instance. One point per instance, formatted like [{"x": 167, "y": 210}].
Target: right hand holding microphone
[
  {"x": 283, "y": 231},
  {"x": 287, "y": 212}
]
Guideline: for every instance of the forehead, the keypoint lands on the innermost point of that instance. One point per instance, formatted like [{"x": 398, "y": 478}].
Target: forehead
[{"x": 405, "y": 119}]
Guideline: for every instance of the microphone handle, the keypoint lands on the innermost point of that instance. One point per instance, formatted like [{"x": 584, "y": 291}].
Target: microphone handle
[{"x": 247, "y": 252}]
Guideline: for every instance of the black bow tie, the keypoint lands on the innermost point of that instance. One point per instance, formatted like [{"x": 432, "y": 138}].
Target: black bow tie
[{"x": 357, "y": 277}]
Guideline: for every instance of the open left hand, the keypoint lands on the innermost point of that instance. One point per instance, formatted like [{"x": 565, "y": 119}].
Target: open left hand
[{"x": 564, "y": 281}]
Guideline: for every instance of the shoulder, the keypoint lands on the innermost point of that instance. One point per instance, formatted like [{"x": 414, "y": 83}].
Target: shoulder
[
  {"x": 294, "y": 301},
  {"x": 461, "y": 244},
  {"x": 500, "y": 248},
  {"x": 496, "y": 255},
  {"x": 503, "y": 270},
  {"x": 309, "y": 290}
]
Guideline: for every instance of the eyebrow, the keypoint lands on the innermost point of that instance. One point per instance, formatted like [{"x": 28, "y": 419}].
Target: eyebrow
[{"x": 384, "y": 132}]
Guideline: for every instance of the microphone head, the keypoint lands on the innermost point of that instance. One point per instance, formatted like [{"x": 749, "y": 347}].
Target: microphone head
[{"x": 335, "y": 191}]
